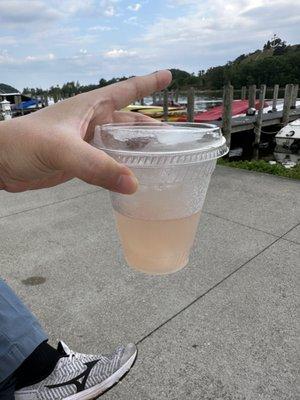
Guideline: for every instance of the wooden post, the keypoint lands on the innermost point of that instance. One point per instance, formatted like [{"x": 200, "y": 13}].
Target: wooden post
[
  {"x": 243, "y": 93},
  {"x": 34, "y": 97},
  {"x": 142, "y": 101},
  {"x": 227, "y": 110},
  {"x": 160, "y": 97},
  {"x": 275, "y": 97},
  {"x": 252, "y": 96},
  {"x": 154, "y": 98},
  {"x": 190, "y": 104},
  {"x": 166, "y": 104},
  {"x": 176, "y": 96},
  {"x": 17, "y": 99},
  {"x": 258, "y": 123},
  {"x": 295, "y": 95},
  {"x": 287, "y": 103}
]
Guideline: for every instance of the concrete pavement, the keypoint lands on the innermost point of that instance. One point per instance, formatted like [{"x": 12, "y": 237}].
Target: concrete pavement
[{"x": 222, "y": 328}]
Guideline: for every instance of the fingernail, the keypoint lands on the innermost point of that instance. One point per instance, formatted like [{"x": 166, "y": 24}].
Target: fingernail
[{"x": 127, "y": 184}]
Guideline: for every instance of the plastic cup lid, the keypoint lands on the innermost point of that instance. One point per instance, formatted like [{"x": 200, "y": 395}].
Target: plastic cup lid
[{"x": 157, "y": 143}]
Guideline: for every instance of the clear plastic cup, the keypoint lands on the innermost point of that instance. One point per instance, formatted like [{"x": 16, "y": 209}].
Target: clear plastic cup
[{"x": 173, "y": 163}]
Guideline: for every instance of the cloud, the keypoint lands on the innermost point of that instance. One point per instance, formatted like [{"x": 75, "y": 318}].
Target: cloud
[
  {"x": 134, "y": 7},
  {"x": 34, "y": 14},
  {"x": 87, "y": 8},
  {"x": 8, "y": 40},
  {"x": 44, "y": 57},
  {"x": 109, "y": 7},
  {"x": 14, "y": 12},
  {"x": 8, "y": 59},
  {"x": 5, "y": 57},
  {"x": 102, "y": 28},
  {"x": 133, "y": 21},
  {"x": 119, "y": 53},
  {"x": 213, "y": 23},
  {"x": 70, "y": 7},
  {"x": 281, "y": 13}
]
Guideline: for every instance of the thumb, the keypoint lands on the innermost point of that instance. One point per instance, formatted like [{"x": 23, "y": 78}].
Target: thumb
[{"x": 80, "y": 159}]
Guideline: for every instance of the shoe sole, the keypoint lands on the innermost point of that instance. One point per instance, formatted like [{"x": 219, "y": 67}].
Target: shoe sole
[{"x": 97, "y": 390}]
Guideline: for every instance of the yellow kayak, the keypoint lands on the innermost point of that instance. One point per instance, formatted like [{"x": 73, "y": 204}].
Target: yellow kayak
[{"x": 157, "y": 112}]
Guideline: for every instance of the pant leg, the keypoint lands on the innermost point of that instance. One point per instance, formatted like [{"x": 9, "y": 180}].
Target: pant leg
[
  {"x": 20, "y": 332},
  {"x": 7, "y": 388}
]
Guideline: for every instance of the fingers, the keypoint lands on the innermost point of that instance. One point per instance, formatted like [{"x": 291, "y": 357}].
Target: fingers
[
  {"x": 123, "y": 93},
  {"x": 80, "y": 159}
]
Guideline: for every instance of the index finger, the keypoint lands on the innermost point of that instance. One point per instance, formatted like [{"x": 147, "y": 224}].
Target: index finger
[{"x": 125, "y": 92}]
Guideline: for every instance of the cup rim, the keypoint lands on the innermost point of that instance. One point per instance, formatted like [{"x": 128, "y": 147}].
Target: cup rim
[
  {"x": 154, "y": 158},
  {"x": 179, "y": 125}
]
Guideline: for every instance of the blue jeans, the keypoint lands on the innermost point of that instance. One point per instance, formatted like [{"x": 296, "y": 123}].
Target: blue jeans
[
  {"x": 7, "y": 388},
  {"x": 20, "y": 332}
]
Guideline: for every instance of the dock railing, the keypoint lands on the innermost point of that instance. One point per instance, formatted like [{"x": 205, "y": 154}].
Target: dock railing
[{"x": 255, "y": 118}]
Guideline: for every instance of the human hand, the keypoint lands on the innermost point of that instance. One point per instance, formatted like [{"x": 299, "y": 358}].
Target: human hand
[{"x": 51, "y": 146}]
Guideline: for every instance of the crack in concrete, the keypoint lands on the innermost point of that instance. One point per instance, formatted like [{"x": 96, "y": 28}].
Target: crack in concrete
[{"x": 213, "y": 287}]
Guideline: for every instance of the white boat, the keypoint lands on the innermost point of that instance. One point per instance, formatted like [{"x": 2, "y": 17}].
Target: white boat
[
  {"x": 287, "y": 150},
  {"x": 269, "y": 109}
]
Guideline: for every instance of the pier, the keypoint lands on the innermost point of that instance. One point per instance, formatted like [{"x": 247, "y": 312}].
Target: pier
[{"x": 256, "y": 121}]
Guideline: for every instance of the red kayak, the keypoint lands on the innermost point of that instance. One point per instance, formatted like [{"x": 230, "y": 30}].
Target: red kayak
[{"x": 238, "y": 107}]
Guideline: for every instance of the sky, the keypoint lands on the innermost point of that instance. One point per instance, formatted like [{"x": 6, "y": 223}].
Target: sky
[{"x": 50, "y": 42}]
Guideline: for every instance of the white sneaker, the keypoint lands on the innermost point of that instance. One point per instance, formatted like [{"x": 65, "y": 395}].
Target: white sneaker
[{"x": 79, "y": 376}]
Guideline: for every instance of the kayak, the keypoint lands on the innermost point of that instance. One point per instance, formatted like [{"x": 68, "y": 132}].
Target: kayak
[
  {"x": 215, "y": 114},
  {"x": 157, "y": 112}
]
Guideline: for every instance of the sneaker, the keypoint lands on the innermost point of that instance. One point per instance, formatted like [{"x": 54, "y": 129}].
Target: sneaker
[{"x": 79, "y": 376}]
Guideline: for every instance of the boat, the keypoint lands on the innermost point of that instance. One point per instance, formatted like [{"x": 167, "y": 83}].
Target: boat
[
  {"x": 269, "y": 108},
  {"x": 28, "y": 104},
  {"x": 215, "y": 114},
  {"x": 157, "y": 112},
  {"x": 287, "y": 150}
]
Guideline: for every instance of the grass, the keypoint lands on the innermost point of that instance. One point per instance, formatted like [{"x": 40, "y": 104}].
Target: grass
[{"x": 263, "y": 166}]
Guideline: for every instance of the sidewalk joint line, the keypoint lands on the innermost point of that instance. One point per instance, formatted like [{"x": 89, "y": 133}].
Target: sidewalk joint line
[
  {"x": 238, "y": 223},
  {"x": 48, "y": 204},
  {"x": 213, "y": 287}
]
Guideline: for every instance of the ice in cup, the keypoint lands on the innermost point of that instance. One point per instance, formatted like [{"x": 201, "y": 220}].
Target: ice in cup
[{"x": 173, "y": 163}]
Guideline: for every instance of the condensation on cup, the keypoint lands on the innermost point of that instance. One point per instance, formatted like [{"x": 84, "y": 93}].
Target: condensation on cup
[{"x": 173, "y": 163}]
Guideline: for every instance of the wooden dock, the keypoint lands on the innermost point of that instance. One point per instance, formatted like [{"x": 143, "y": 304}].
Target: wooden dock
[
  {"x": 240, "y": 124},
  {"x": 254, "y": 122}
]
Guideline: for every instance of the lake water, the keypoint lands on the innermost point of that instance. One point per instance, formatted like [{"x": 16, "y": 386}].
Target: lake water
[{"x": 202, "y": 102}]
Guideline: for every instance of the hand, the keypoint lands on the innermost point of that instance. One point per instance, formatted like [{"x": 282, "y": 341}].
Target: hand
[{"x": 51, "y": 146}]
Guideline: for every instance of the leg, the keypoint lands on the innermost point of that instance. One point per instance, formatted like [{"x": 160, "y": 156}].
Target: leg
[
  {"x": 20, "y": 332},
  {"x": 7, "y": 389}
]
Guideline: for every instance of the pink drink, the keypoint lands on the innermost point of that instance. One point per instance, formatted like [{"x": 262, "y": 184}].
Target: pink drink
[{"x": 157, "y": 246}]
